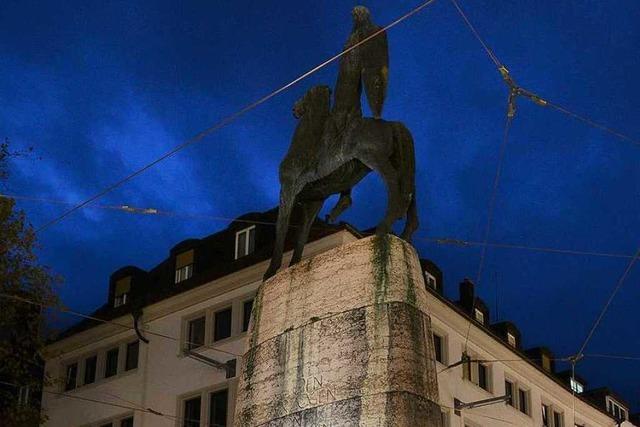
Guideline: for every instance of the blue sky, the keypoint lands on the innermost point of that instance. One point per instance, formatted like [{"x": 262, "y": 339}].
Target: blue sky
[{"x": 101, "y": 88}]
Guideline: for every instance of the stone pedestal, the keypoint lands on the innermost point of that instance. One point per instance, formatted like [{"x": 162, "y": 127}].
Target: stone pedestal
[{"x": 342, "y": 339}]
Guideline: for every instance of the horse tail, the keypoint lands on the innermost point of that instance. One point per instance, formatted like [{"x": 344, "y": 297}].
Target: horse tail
[{"x": 405, "y": 157}]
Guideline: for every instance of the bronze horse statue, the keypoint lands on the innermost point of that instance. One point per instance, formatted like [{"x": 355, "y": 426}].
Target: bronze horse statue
[{"x": 334, "y": 148}]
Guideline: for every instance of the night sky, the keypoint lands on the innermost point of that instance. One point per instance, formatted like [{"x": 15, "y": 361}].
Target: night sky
[{"x": 101, "y": 88}]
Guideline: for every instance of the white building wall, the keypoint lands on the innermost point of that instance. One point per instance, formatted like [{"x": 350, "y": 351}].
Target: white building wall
[{"x": 165, "y": 376}]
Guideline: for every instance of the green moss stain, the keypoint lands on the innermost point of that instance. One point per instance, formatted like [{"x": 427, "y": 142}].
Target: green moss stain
[
  {"x": 411, "y": 296},
  {"x": 299, "y": 393},
  {"x": 380, "y": 260},
  {"x": 253, "y": 340}
]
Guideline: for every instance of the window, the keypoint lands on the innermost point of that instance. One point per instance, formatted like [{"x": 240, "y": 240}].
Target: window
[
  {"x": 90, "y": 366},
  {"x": 616, "y": 409},
  {"x": 479, "y": 315},
  {"x": 438, "y": 345},
  {"x": 111, "y": 363},
  {"x": 508, "y": 390},
  {"x": 121, "y": 292},
  {"x": 245, "y": 241},
  {"x": 192, "y": 412},
  {"x": 222, "y": 324},
  {"x": 119, "y": 422},
  {"x": 546, "y": 422},
  {"x": 246, "y": 314},
  {"x": 24, "y": 393},
  {"x": 430, "y": 280},
  {"x": 196, "y": 333},
  {"x": 444, "y": 415},
  {"x": 523, "y": 401},
  {"x": 576, "y": 386},
  {"x": 131, "y": 362},
  {"x": 558, "y": 419},
  {"x": 218, "y": 408},
  {"x": 511, "y": 339},
  {"x": 72, "y": 373},
  {"x": 184, "y": 266},
  {"x": 483, "y": 376}
]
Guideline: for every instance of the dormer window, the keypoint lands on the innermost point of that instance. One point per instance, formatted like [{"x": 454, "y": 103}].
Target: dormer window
[
  {"x": 430, "y": 280},
  {"x": 245, "y": 241},
  {"x": 511, "y": 339},
  {"x": 121, "y": 292},
  {"x": 184, "y": 266},
  {"x": 576, "y": 386},
  {"x": 616, "y": 409},
  {"x": 479, "y": 315}
]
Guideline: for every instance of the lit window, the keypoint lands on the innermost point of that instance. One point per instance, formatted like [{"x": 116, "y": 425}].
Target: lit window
[
  {"x": 246, "y": 314},
  {"x": 131, "y": 362},
  {"x": 218, "y": 408},
  {"x": 430, "y": 280},
  {"x": 195, "y": 333},
  {"x": 576, "y": 386},
  {"x": 121, "y": 293},
  {"x": 184, "y": 266},
  {"x": 192, "y": 412},
  {"x": 511, "y": 339},
  {"x": 90, "y": 367},
  {"x": 245, "y": 241},
  {"x": 70, "y": 380},
  {"x": 222, "y": 325},
  {"x": 479, "y": 315},
  {"x": 111, "y": 363},
  {"x": 438, "y": 345}
]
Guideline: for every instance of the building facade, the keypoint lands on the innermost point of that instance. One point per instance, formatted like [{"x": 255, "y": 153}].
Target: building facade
[{"x": 166, "y": 347}]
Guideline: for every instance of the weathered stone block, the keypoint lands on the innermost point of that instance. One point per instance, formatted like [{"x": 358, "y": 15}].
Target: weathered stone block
[{"x": 342, "y": 339}]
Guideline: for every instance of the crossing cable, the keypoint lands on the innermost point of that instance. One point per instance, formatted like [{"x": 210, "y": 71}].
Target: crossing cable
[
  {"x": 442, "y": 241},
  {"x": 536, "y": 99},
  {"x": 136, "y": 408},
  {"x": 492, "y": 202},
  {"x": 229, "y": 119},
  {"x": 111, "y": 322},
  {"x": 619, "y": 284}
]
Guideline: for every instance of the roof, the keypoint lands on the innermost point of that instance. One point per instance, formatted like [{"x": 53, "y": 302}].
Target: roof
[{"x": 214, "y": 258}]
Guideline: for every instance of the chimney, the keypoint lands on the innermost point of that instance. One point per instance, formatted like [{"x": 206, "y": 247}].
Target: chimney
[{"x": 467, "y": 295}]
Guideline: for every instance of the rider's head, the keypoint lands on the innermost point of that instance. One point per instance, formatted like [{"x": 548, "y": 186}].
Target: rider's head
[{"x": 360, "y": 15}]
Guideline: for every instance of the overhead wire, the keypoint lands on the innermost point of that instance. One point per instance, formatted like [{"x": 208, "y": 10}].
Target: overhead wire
[
  {"x": 545, "y": 102},
  {"x": 111, "y": 322},
  {"x": 518, "y": 91},
  {"x": 229, "y": 119},
  {"x": 613, "y": 294},
  {"x": 442, "y": 241}
]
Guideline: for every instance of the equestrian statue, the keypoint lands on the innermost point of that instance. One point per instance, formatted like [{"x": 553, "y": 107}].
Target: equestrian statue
[{"x": 335, "y": 147}]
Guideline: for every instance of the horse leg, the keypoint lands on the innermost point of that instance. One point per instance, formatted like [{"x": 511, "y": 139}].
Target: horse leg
[
  {"x": 412, "y": 223},
  {"x": 343, "y": 204},
  {"x": 391, "y": 178},
  {"x": 310, "y": 211},
  {"x": 288, "y": 194}
]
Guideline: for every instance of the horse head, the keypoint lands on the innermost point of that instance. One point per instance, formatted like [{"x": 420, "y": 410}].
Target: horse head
[{"x": 316, "y": 100}]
